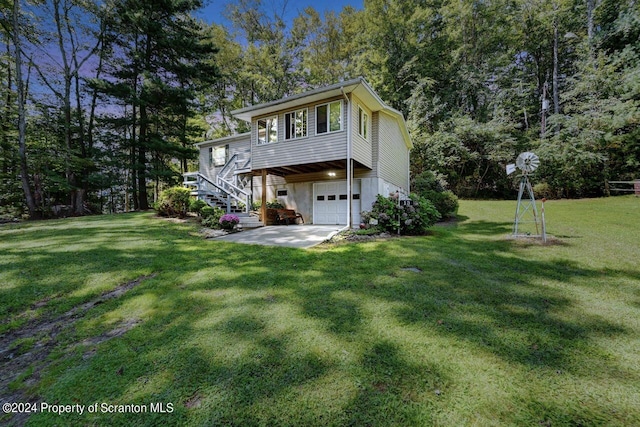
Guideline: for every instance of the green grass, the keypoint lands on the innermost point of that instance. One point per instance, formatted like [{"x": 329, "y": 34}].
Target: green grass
[{"x": 491, "y": 331}]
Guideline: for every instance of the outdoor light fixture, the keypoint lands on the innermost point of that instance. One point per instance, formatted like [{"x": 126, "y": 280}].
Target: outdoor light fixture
[{"x": 332, "y": 174}]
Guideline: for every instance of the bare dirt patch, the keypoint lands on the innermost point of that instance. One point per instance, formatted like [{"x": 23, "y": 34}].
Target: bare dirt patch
[{"x": 24, "y": 353}]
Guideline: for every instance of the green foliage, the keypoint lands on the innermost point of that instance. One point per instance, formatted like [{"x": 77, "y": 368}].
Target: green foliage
[
  {"x": 211, "y": 216},
  {"x": 371, "y": 231},
  {"x": 468, "y": 154},
  {"x": 274, "y": 204},
  {"x": 445, "y": 202},
  {"x": 543, "y": 190},
  {"x": 414, "y": 219},
  {"x": 428, "y": 181},
  {"x": 431, "y": 186},
  {"x": 174, "y": 201},
  {"x": 196, "y": 206},
  {"x": 468, "y": 76},
  {"x": 162, "y": 45}
]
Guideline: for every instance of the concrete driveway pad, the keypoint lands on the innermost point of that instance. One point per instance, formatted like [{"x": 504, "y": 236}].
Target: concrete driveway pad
[{"x": 294, "y": 236}]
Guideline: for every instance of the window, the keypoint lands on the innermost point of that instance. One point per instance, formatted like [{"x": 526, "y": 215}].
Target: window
[
  {"x": 363, "y": 123},
  {"x": 268, "y": 130},
  {"x": 218, "y": 155},
  {"x": 329, "y": 117},
  {"x": 295, "y": 124}
]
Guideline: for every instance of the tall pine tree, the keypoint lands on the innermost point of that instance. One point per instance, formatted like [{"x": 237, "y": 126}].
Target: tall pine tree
[{"x": 160, "y": 60}]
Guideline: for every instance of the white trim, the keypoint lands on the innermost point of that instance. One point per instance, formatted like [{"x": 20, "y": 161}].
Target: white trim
[
  {"x": 327, "y": 104},
  {"x": 367, "y": 123},
  {"x": 212, "y": 158},
  {"x": 306, "y": 119},
  {"x": 268, "y": 121},
  {"x": 217, "y": 141}
]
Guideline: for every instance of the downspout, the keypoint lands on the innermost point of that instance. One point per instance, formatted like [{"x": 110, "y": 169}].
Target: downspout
[{"x": 349, "y": 171}]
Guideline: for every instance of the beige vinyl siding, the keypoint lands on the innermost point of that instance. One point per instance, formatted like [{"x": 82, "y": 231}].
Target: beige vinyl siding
[
  {"x": 393, "y": 155},
  {"x": 361, "y": 148},
  {"x": 313, "y": 148},
  {"x": 375, "y": 146}
]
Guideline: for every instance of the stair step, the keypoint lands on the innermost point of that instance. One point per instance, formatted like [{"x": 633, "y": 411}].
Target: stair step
[{"x": 250, "y": 222}]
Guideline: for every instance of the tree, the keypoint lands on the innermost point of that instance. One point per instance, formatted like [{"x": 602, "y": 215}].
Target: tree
[
  {"x": 16, "y": 25},
  {"x": 161, "y": 52},
  {"x": 324, "y": 57},
  {"x": 271, "y": 54}
]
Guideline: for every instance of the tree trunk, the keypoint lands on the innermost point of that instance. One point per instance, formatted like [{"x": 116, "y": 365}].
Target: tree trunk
[
  {"x": 6, "y": 144},
  {"x": 556, "y": 91},
  {"x": 66, "y": 105},
  {"x": 22, "y": 120},
  {"x": 590, "y": 9}
]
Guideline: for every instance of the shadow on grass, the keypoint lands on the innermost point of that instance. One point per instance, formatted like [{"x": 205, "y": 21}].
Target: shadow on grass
[{"x": 247, "y": 335}]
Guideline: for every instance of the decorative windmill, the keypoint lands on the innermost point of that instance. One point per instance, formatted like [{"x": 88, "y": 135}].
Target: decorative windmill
[{"x": 527, "y": 162}]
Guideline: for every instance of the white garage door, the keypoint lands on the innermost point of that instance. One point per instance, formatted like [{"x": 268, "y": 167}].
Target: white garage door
[{"x": 330, "y": 202}]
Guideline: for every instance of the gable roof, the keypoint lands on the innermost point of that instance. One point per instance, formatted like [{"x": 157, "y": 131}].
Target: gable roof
[
  {"x": 357, "y": 86},
  {"x": 219, "y": 141}
]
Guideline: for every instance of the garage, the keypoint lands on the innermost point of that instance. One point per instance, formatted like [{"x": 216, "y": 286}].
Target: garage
[{"x": 330, "y": 202}]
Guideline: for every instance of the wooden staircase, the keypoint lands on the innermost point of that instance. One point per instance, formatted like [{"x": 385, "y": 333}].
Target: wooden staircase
[{"x": 227, "y": 191}]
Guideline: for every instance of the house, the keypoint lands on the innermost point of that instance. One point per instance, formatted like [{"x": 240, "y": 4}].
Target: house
[{"x": 326, "y": 153}]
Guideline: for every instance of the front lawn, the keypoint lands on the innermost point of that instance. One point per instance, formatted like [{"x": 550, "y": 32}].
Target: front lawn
[{"x": 460, "y": 327}]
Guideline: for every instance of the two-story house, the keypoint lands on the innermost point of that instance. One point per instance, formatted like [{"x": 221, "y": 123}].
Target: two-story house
[{"x": 325, "y": 153}]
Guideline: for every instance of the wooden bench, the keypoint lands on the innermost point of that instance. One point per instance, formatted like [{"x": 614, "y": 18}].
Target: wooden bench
[{"x": 284, "y": 216}]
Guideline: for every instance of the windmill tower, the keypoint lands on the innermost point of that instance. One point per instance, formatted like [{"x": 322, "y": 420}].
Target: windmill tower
[{"x": 527, "y": 162}]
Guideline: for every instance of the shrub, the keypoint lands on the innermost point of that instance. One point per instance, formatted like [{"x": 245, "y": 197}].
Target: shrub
[
  {"x": 174, "y": 202},
  {"x": 432, "y": 187},
  {"x": 196, "y": 205},
  {"x": 543, "y": 190},
  {"x": 445, "y": 202},
  {"x": 413, "y": 219},
  {"x": 429, "y": 181},
  {"x": 211, "y": 216},
  {"x": 275, "y": 205},
  {"x": 228, "y": 221}
]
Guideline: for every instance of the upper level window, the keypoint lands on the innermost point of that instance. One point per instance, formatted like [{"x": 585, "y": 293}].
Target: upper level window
[
  {"x": 329, "y": 117},
  {"x": 267, "y": 130},
  {"x": 295, "y": 124},
  {"x": 218, "y": 155},
  {"x": 363, "y": 123}
]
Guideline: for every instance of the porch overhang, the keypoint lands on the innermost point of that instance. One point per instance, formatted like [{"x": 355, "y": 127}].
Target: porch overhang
[{"x": 316, "y": 167}]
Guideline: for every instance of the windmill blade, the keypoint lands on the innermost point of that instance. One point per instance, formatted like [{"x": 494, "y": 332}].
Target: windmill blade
[
  {"x": 527, "y": 162},
  {"x": 511, "y": 168}
]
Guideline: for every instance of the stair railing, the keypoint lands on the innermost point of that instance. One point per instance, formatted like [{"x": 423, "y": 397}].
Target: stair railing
[{"x": 204, "y": 186}]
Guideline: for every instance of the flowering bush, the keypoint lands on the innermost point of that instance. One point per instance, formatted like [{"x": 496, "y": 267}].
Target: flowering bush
[
  {"x": 413, "y": 219},
  {"x": 228, "y": 221}
]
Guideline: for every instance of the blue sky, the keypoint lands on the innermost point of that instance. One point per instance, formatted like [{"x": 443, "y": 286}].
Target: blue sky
[{"x": 214, "y": 9}]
